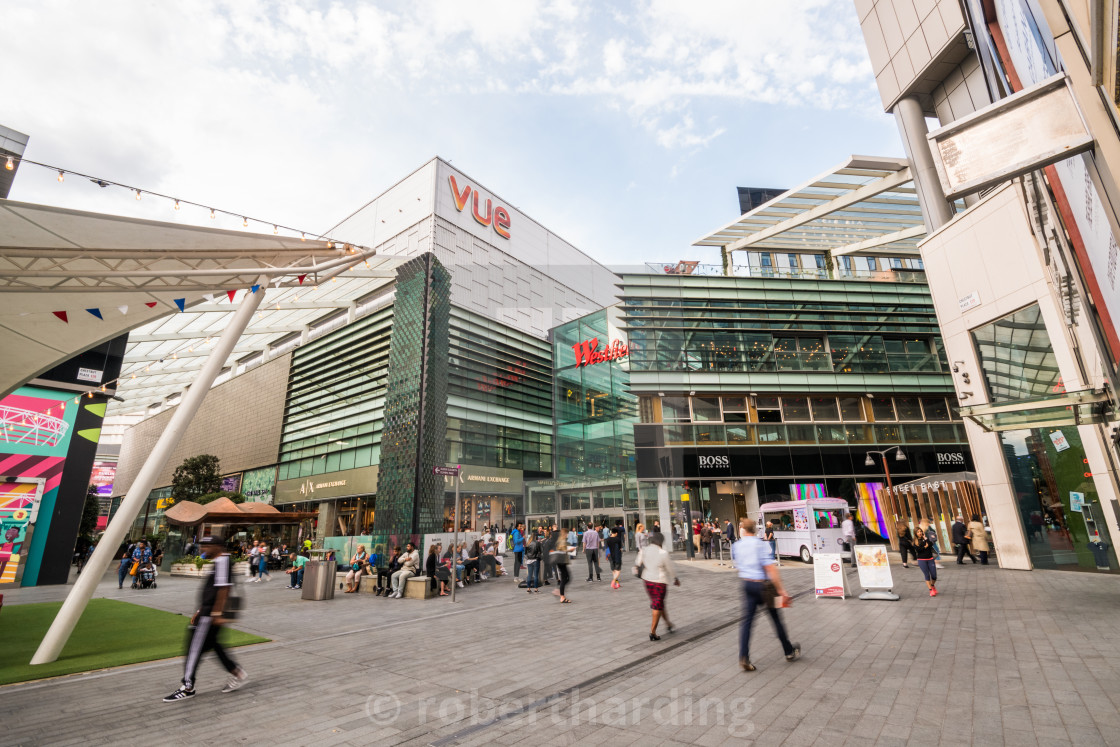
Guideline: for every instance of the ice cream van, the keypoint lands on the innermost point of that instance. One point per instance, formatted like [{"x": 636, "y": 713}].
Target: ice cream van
[{"x": 805, "y": 528}]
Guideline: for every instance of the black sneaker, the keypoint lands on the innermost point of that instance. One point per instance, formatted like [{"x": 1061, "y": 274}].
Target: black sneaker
[
  {"x": 181, "y": 694},
  {"x": 796, "y": 653}
]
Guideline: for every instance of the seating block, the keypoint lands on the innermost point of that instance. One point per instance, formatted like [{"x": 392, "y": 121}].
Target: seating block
[{"x": 418, "y": 587}]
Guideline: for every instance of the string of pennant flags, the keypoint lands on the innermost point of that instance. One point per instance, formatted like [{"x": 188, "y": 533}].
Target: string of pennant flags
[{"x": 180, "y": 303}]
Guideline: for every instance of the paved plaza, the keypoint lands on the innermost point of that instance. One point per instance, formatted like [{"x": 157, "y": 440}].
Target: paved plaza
[{"x": 1000, "y": 657}]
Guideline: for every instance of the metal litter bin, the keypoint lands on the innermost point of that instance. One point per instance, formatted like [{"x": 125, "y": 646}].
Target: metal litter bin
[{"x": 318, "y": 579}]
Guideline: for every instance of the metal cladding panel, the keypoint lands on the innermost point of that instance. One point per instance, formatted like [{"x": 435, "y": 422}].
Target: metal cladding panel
[
  {"x": 410, "y": 497},
  {"x": 402, "y": 206}
]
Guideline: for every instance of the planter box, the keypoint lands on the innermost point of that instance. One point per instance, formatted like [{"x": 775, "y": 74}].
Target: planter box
[{"x": 189, "y": 569}]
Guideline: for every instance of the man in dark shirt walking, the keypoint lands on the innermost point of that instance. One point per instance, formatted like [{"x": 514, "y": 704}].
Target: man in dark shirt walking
[{"x": 207, "y": 622}]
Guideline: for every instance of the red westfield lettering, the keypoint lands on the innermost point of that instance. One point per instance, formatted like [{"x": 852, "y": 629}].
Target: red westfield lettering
[
  {"x": 496, "y": 216},
  {"x": 588, "y": 352}
]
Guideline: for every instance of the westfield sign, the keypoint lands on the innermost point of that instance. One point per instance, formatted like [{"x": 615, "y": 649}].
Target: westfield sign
[
  {"x": 588, "y": 352},
  {"x": 498, "y": 217}
]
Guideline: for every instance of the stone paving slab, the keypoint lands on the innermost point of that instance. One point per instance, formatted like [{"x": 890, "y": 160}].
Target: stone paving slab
[{"x": 1000, "y": 657}]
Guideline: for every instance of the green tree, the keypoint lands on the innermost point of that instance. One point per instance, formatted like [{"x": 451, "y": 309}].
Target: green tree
[
  {"x": 233, "y": 495},
  {"x": 195, "y": 477},
  {"x": 90, "y": 511}
]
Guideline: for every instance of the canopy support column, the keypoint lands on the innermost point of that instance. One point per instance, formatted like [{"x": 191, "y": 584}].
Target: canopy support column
[{"x": 137, "y": 495}]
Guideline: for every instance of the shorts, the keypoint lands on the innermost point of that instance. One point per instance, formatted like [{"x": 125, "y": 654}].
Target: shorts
[
  {"x": 929, "y": 569},
  {"x": 616, "y": 561}
]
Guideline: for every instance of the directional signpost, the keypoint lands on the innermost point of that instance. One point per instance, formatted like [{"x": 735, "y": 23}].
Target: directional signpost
[{"x": 452, "y": 472}]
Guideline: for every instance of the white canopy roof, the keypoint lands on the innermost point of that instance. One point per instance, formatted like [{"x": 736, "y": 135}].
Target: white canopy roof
[
  {"x": 59, "y": 260},
  {"x": 866, "y": 205}
]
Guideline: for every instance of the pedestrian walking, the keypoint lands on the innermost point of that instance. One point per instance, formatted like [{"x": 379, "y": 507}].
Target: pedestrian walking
[
  {"x": 254, "y": 561},
  {"x": 848, "y": 529},
  {"x": 768, "y": 536},
  {"x": 206, "y": 624},
  {"x": 614, "y": 553},
  {"x": 262, "y": 564},
  {"x": 923, "y": 551},
  {"x": 591, "y": 541},
  {"x": 655, "y": 568},
  {"x": 978, "y": 536},
  {"x": 640, "y": 536},
  {"x": 559, "y": 560},
  {"x": 762, "y": 586},
  {"x": 706, "y": 540},
  {"x": 905, "y": 542},
  {"x": 960, "y": 539},
  {"x": 124, "y": 568},
  {"x": 931, "y": 535},
  {"x": 533, "y": 557},
  {"x": 518, "y": 543}
]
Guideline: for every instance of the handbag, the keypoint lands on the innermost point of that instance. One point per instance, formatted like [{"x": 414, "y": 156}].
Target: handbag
[{"x": 135, "y": 567}]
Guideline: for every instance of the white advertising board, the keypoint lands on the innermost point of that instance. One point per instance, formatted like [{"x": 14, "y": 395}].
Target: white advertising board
[
  {"x": 828, "y": 575},
  {"x": 874, "y": 567}
]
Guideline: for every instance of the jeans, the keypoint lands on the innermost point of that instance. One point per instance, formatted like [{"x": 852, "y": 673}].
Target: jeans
[
  {"x": 517, "y": 554},
  {"x": 592, "y": 559},
  {"x": 398, "y": 581},
  {"x": 565, "y": 577},
  {"x": 752, "y": 599},
  {"x": 262, "y": 571},
  {"x": 297, "y": 578},
  {"x": 929, "y": 569},
  {"x": 122, "y": 573},
  {"x": 534, "y": 568},
  {"x": 773, "y": 547}
]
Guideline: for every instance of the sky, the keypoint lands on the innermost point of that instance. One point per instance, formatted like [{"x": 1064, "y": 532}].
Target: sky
[{"x": 624, "y": 127}]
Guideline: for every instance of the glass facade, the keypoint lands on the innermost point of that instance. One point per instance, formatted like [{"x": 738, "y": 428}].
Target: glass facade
[
  {"x": 595, "y": 411},
  {"x": 1057, "y": 500},
  {"x": 1017, "y": 357}
]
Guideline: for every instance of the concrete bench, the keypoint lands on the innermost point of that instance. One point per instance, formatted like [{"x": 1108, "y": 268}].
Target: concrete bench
[
  {"x": 368, "y": 584},
  {"x": 418, "y": 587}
]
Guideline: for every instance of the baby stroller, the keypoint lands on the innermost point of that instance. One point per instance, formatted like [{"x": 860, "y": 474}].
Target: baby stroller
[{"x": 146, "y": 577}]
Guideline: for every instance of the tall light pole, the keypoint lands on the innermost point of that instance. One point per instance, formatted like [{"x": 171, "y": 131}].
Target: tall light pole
[{"x": 898, "y": 457}]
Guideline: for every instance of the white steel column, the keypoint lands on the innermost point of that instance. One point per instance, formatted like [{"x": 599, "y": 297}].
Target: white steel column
[
  {"x": 137, "y": 495},
  {"x": 665, "y": 516},
  {"x": 911, "y": 122}
]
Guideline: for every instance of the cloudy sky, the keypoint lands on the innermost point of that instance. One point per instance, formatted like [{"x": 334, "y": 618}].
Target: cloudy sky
[{"x": 622, "y": 126}]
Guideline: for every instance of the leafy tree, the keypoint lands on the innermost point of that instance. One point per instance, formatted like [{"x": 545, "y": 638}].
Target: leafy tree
[
  {"x": 232, "y": 495},
  {"x": 196, "y": 476},
  {"x": 90, "y": 511}
]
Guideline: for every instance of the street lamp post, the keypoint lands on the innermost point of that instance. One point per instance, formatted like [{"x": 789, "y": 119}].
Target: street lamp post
[{"x": 898, "y": 457}]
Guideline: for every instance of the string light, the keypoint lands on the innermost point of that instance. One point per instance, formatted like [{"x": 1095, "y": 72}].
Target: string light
[
  {"x": 10, "y": 164},
  {"x": 211, "y": 213},
  {"x": 302, "y": 236},
  {"x": 137, "y": 193},
  {"x": 176, "y": 204},
  {"x": 275, "y": 230},
  {"x": 61, "y": 176},
  {"x": 244, "y": 222}
]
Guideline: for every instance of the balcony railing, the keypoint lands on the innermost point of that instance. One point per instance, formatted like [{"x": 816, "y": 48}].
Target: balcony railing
[{"x": 695, "y": 269}]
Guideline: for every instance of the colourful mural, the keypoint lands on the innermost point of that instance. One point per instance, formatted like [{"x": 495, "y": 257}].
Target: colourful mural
[
  {"x": 36, "y": 426},
  {"x": 803, "y": 491},
  {"x": 870, "y": 512}
]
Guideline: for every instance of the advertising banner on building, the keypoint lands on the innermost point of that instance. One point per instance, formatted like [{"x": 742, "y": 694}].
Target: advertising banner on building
[
  {"x": 828, "y": 575},
  {"x": 257, "y": 485},
  {"x": 361, "y": 481},
  {"x": 873, "y": 567}
]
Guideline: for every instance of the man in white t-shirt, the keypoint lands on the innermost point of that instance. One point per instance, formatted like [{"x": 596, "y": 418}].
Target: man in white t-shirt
[{"x": 848, "y": 528}]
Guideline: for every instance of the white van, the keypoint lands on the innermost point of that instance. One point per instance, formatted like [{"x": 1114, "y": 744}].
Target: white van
[{"x": 805, "y": 528}]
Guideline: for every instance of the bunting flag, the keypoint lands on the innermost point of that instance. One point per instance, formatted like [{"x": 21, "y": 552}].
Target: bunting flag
[
  {"x": 276, "y": 282},
  {"x": 122, "y": 309},
  {"x": 209, "y": 297},
  {"x": 231, "y": 294},
  {"x": 61, "y": 315},
  {"x": 96, "y": 313},
  {"x": 150, "y": 304},
  {"x": 181, "y": 303},
  {"x": 301, "y": 277},
  {"x": 255, "y": 288}
]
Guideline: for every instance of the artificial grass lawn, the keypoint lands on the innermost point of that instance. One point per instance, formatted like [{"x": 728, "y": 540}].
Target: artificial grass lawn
[{"x": 109, "y": 634}]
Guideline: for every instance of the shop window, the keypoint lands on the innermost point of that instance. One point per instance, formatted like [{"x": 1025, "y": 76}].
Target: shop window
[
  {"x": 739, "y": 434},
  {"x": 935, "y": 408},
  {"x": 824, "y": 408},
  {"x": 675, "y": 410},
  {"x": 785, "y": 353},
  {"x": 943, "y": 433},
  {"x": 709, "y": 433},
  {"x": 908, "y": 408},
  {"x": 915, "y": 434},
  {"x": 831, "y": 434},
  {"x": 705, "y": 410},
  {"x": 882, "y": 408},
  {"x": 771, "y": 434},
  {"x": 768, "y": 409},
  {"x": 857, "y": 434},
  {"x": 795, "y": 409},
  {"x": 734, "y": 404},
  {"x": 851, "y": 408},
  {"x": 887, "y": 434}
]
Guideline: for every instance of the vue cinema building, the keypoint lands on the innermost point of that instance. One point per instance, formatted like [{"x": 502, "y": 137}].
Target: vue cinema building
[{"x": 348, "y": 393}]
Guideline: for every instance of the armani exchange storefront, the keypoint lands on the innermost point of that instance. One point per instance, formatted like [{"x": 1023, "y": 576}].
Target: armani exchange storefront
[
  {"x": 488, "y": 496},
  {"x": 345, "y": 501}
]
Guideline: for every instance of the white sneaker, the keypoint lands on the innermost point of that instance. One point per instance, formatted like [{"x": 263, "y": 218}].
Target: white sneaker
[
  {"x": 938, "y": 565},
  {"x": 236, "y": 680},
  {"x": 460, "y": 583}
]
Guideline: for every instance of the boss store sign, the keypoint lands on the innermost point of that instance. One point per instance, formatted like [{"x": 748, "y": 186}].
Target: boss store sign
[{"x": 794, "y": 461}]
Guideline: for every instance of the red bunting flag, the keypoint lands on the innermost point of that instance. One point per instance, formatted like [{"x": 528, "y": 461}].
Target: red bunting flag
[
  {"x": 61, "y": 315},
  {"x": 231, "y": 294},
  {"x": 301, "y": 277},
  {"x": 150, "y": 304}
]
